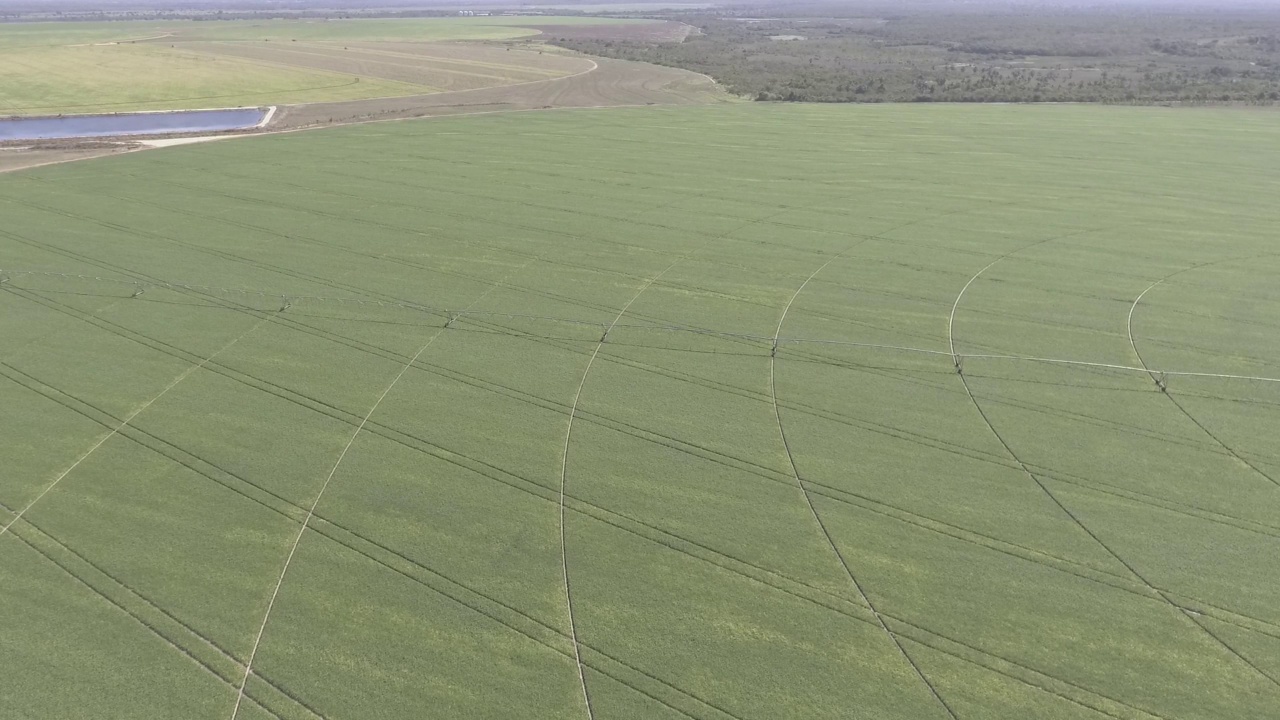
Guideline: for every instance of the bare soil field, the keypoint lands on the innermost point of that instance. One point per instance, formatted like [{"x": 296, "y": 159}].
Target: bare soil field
[
  {"x": 611, "y": 83},
  {"x": 600, "y": 83},
  {"x": 435, "y": 67},
  {"x": 666, "y": 31},
  {"x": 29, "y": 156}
]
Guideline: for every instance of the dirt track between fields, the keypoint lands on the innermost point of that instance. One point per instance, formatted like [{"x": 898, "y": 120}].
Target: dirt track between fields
[
  {"x": 605, "y": 83},
  {"x": 32, "y": 156},
  {"x": 435, "y": 67},
  {"x": 608, "y": 83},
  {"x": 665, "y": 31}
]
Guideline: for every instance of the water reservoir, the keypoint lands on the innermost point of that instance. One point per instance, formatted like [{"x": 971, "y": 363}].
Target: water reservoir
[{"x": 143, "y": 123}]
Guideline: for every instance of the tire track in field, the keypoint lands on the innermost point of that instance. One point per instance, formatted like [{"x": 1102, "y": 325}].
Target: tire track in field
[
  {"x": 463, "y": 241},
  {"x": 293, "y": 273},
  {"x": 564, "y": 464},
  {"x": 995, "y": 658},
  {"x": 685, "y": 450},
  {"x": 248, "y": 668},
  {"x": 460, "y": 215},
  {"x": 129, "y": 418},
  {"x": 324, "y": 523},
  {"x": 1164, "y": 595},
  {"x": 152, "y": 626},
  {"x": 564, "y": 459},
  {"x": 413, "y": 231},
  {"x": 534, "y": 205},
  {"x": 113, "y": 431},
  {"x": 213, "y": 366},
  {"x": 877, "y": 507},
  {"x": 804, "y": 490},
  {"x": 156, "y": 632},
  {"x": 391, "y": 434},
  {"x": 15, "y": 351},
  {"x": 818, "y": 519},
  {"x": 818, "y": 358},
  {"x": 1055, "y": 412},
  {"x": 1083, "y": 418},
  {"x": 311, "y": 512},
  {"x": 1160, "y": 382}
]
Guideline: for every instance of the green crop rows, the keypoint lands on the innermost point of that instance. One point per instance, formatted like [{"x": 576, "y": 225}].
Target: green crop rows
[{"x": 818, "y": 412}]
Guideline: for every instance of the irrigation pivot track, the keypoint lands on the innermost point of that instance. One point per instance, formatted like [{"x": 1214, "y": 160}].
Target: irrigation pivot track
[
  {"x": 302, "y": 529},
  {"x": 804, "y": 491},
  {"x": 1193, "y": 617},
  {"x": 129, "y": 418},
  {"x": 1159, "y": 378}
]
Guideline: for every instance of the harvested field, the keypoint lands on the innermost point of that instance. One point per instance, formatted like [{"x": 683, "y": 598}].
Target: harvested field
[
  {"x": 27, "y": 156},
  {"x": 665, "y": 31},
  {"x": 50, "y": 68},
  {"x": 119, "y": 78},
  {"x": 431, "y": 67},
  {"x": 611, "y": 83}
]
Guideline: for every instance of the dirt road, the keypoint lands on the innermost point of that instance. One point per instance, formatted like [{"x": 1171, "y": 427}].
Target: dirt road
[
  {"x": 605, "y": 83},
  {"x": 611, "y": 82}
]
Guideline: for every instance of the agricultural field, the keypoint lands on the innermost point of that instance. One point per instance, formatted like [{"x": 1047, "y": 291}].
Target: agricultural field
[
  {"x": 735, "y": 411},
  {"x": 50, "y": 68}
]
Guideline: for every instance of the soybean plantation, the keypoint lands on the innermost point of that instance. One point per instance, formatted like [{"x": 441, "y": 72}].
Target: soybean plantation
[{"x": 720, "y": 412}]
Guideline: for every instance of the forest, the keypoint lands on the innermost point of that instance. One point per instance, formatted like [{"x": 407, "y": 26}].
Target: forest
[{"x": 959, "y": 53}]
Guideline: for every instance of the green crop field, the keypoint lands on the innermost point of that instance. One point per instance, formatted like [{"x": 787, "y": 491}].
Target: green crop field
[
  {"x": 723, "y": 412},
  {"x": 49, "y": 68}
]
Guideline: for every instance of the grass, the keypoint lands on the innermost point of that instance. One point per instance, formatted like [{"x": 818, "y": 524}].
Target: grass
[
  {"x": 149, "y": 77},
  {"x": 1067, "y": 541},
  {"x": 49, "y": 68}
]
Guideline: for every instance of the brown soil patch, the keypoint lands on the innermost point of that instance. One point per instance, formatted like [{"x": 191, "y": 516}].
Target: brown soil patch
[
  {"x": 434, "y": 66},
  {"x": 655, "y": 32},
  {"x": 612, "y": 83},
  {"x": 47, "y": 153},
  {"x": 604, "y": 83}
]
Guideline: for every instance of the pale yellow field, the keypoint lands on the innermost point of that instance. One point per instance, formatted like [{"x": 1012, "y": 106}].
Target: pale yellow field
[
  {"x": 151, "y": 77},
  {"x": 55, "y": 68}
]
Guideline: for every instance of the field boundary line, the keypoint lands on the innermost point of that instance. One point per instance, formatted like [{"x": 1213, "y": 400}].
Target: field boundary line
[
  {"x": 248, "y": 667},
  {"x": 129, "y": 418},
  {"x": 1160, "y": 381},
  {"x": 1163, "y": 595}
]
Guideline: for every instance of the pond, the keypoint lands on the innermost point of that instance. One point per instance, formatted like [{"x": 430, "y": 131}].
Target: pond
[{"x": 141, "y": 123}]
